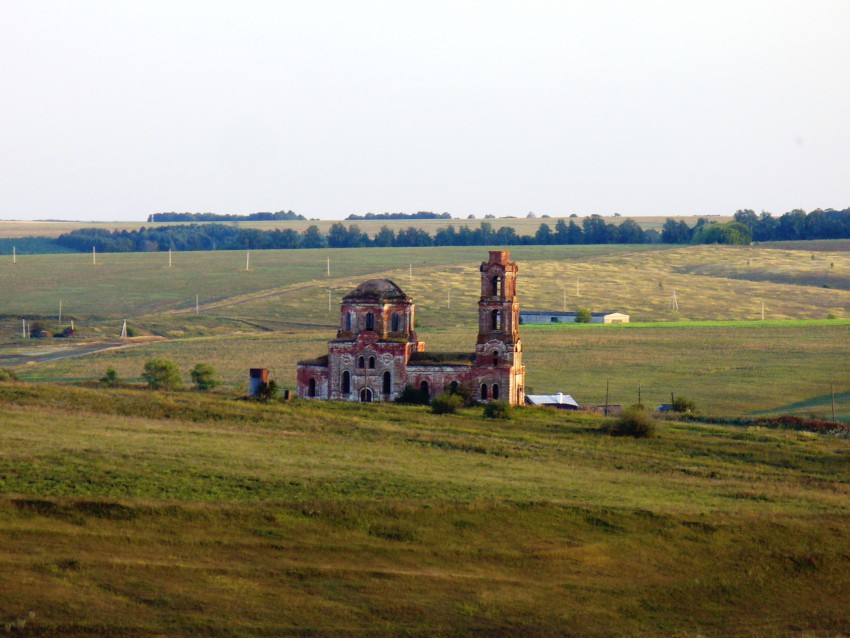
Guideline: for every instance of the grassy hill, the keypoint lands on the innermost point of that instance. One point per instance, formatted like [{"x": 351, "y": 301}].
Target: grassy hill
[
  {"x": 128, "y": 512},
  {"x": 714, "y": 349}
]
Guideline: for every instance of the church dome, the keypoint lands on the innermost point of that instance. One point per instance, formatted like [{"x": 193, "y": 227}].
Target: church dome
[{"x": 377, "y": 290}]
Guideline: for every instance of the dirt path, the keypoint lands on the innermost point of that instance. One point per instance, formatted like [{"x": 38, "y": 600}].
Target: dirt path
[{"x": 52, "y": 352}]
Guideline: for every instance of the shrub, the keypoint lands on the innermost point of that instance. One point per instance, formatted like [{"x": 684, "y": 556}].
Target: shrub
[
  {"x": 203, "y": 376},
  {"x": 7, "y": 375},
  {"x": 110, "y": 377},
  {"x": 412, "y": 396},
  {"x": 635, "y": 421},
  {"x": 497, "y": 410},
  {"x": 267, "y": 391},
  {"x": 583, "y": 315},
  {"x": 162, "y": 374},
  {"x": 681, "y": 404},
  {"x": 446, "y": 403}
]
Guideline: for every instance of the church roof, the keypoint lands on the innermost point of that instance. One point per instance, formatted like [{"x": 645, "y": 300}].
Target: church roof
[{"x": 377, "y": 290}]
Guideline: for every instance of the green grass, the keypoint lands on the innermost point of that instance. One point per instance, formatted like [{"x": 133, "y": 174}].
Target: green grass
[{"x": 129, "y": 512}]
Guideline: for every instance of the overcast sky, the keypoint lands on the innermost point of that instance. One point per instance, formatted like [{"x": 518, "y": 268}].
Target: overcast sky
[{"x": 113, "y": 110}]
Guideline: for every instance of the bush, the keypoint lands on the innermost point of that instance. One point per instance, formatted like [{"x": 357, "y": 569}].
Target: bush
[
  {"x": 681, "y": 404},
  {"x": 412, "y": 396},
  {"x": 162, "y": 374},
  {"x": 7, "y": 375},
  {"x": 635, "y": 421},
  {"x": 110, "y": 377},
  {"x": 267, "y": 391},
  {"x": 497, "y": 410},
  {"x": 446, "y": 403},
  {"x": 583, "y": 315},
  {"x": 203, "y": 376}
]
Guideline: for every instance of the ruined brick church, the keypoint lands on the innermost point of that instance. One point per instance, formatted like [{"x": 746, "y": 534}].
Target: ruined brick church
[{"x": 376, "y": 352}]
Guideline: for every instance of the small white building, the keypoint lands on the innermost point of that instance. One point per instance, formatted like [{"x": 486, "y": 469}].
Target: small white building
[
  {"x": 560, "y": 400},
  {"x": 553, "y": 316}
]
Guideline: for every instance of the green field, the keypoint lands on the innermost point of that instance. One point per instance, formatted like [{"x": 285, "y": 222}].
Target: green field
[
  {"x": 130, "y": 512},
  {"x": 714, "y": 348},
  {"x": 127, "y": 512}
]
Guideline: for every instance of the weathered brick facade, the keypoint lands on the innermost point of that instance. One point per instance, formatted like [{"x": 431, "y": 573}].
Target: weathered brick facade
[{"x": 376, "y": 352}]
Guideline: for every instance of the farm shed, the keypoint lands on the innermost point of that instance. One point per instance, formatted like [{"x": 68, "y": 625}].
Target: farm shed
[
  {"x": 561, "y": 401},
  {"x": 553, "y": 316}
]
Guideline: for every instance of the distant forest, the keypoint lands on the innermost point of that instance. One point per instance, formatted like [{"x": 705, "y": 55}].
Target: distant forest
[
  {"x": 419, "y": 215},
  {"x": 216, "y": 217},
  {"x": 746, "y": 227}
]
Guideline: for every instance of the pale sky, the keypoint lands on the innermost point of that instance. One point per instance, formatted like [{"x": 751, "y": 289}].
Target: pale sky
[{"x": 112, "y": 110}]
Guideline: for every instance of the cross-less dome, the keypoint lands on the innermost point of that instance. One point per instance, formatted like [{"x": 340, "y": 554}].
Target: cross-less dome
[{"x": 377, "y": 290}]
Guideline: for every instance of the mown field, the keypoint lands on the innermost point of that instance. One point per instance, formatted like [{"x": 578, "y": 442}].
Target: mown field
[
  {"x": 134, "y": 513},
  {"x": 278, "y": 313}
]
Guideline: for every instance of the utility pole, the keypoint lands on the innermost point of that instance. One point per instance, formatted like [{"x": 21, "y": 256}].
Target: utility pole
[
  {"x": 606, "y": 398},
  {"x": 14, "y": 255},
  {"x": 329, "y": 266},
  {"x": 248, "y": 261},
  {"x": 197, "y": 308},
  {"x": 329, "y": 299},
  {"x": 762, "y": 310},
  {"x": 832, "y": 391},
  {"x": 93, "y": 255},
  {"x": 169, "y": 258},
  {"x": 60, "y": 311},
  {"x": 639, "y": 401},
  {"x": 24, "y": 328},
  {"x": 411, "y": 274},
  {"x": 448, "y": 298}
]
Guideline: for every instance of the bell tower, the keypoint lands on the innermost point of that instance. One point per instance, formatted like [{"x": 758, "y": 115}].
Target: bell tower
[{"x": 498, "y": 313}]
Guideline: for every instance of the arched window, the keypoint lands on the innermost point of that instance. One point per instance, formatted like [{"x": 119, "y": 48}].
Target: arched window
[
  {"x": 453, "y": 387},
  {"x": 495, "y": 282},
  {"x": 311, "y": 388},
  {"x": 494, "y": 320},
  {"x": 366, "y": 395},
  {"x": 370, "y": 321},
  {"x": 495, "y": 357},
  {"x": 361, "y": 362},
  {"x": 495, "y": 390},
  {"x": 388, "y": 382},
  {"x": 425, "y": 391},
  {"x": 346, "y": 382},
  {"x": 348, "y": 322},
  {"x": 395, "y": 322},
  {"x": 483, "y": 391},
  {"x": 371, "y": 363}
]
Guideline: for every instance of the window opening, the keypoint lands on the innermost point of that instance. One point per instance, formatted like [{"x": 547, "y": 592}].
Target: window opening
[
  {"x": 311, "y": 388},
  {"x": 388, "y": 382},
  {"x": 371, "y": 363},
  {"x": 370, "y": 321},
  {"x": 495, "y": 391},
  {"x": 346, "y": 382},
  {"x": 483, "y": 391}
]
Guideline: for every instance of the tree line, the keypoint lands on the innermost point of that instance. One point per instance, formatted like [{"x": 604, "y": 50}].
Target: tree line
[
  {"x": 744, "y": 228},
  {"x": 217, "y": 217}
]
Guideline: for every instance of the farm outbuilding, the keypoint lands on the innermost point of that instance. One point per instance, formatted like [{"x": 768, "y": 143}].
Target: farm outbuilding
[
  {"x": 553, "y": 316},
  {"x": 561, "y": 401}
]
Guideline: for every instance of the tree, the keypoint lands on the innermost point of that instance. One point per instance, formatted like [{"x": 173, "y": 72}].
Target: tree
[
  {"x": 681, "y": 404},
  {"x": 497, "y": 410},
  {"x": 162, "y": 374},
  {"x": 629, "y": 232},
  {"x": 203, "y": 376},
  {"x": 110, "y": 377},
  {"x": 543, "y": 236},
  {"x": 583, "y": 315}
]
